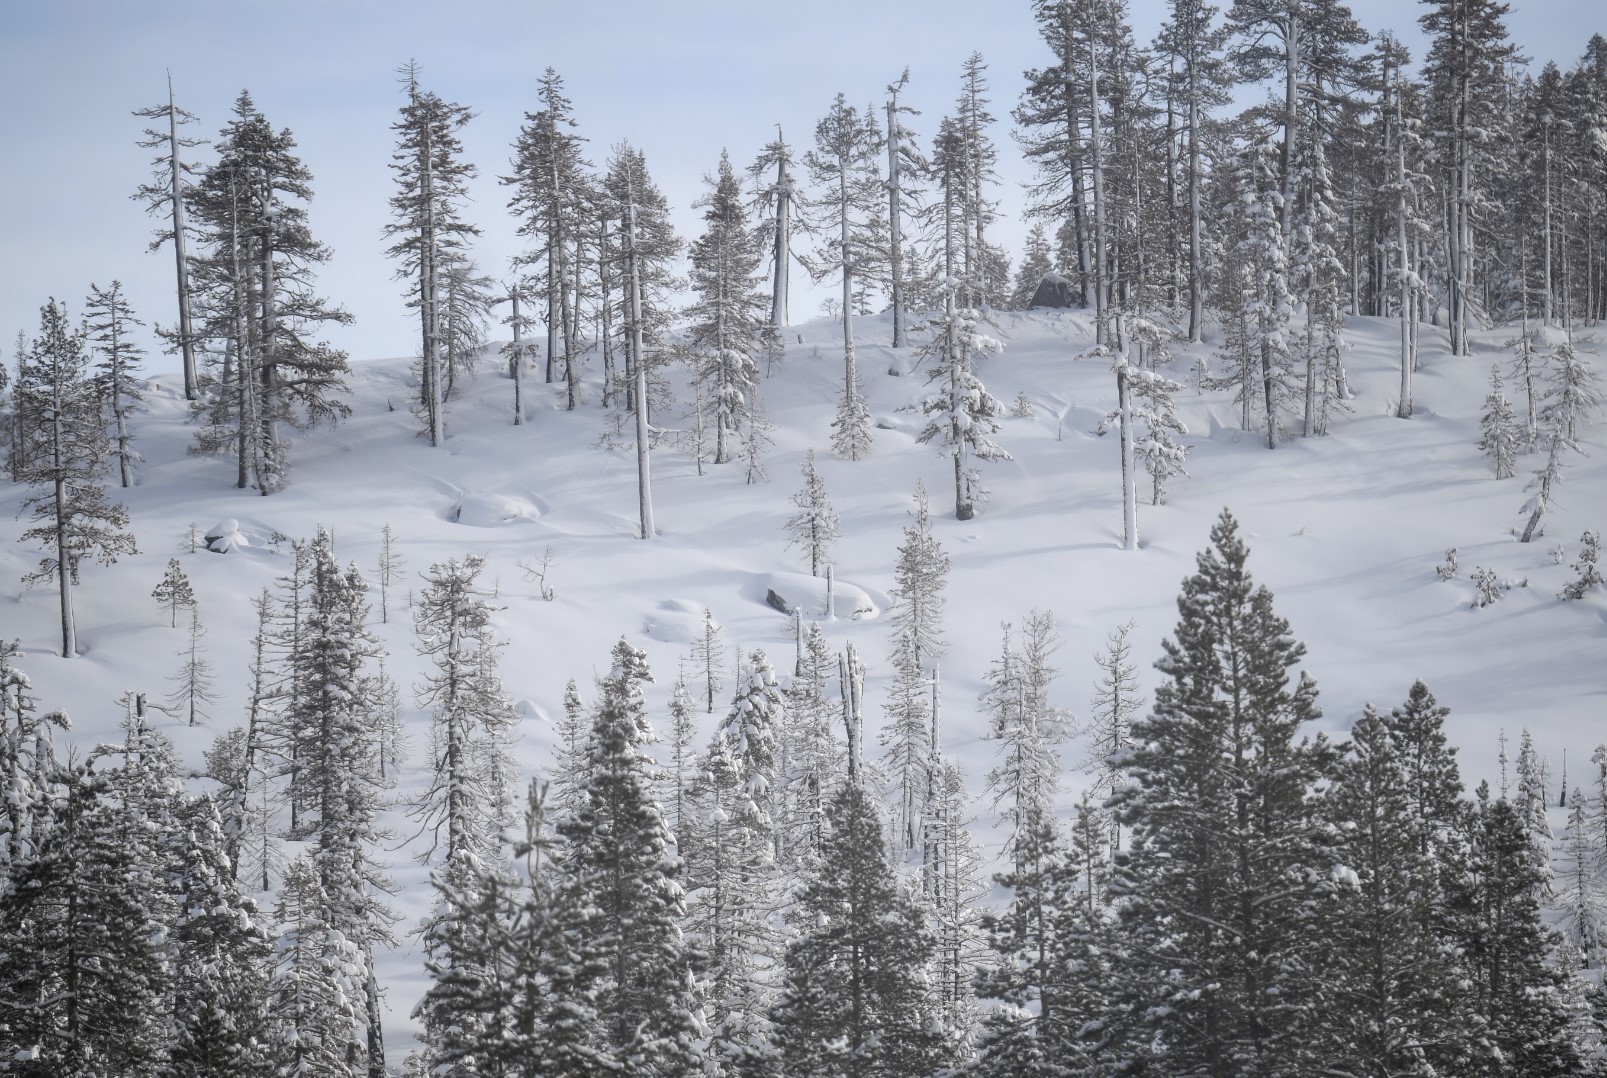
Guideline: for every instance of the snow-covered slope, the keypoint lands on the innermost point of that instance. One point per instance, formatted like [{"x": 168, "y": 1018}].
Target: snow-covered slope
[{"x": 1345, "y": 530}]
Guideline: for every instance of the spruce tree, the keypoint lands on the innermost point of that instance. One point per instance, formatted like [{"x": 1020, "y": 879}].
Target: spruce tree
[
  {"x": 108, "y": 321},
  {"x": 430, "y": 233},
  {"x": 174, "y": 591},
  {"x": 855, "y": 1000},
  {"x": 617, "y": 857},
  {"x": 1224, "y": 968},
  {"x": 815, "y": 527},
  {"x": 64, "y": 454}
]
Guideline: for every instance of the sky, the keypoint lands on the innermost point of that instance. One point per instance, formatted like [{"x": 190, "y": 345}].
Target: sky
[{"x": 680, "y": 80}]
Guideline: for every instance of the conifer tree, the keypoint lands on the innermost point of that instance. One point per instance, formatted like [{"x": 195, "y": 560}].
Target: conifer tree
[
  {"x": 470, "y": 711},
  {"x": 815, "y": 527},
  {"x": 1499, "y": 428},
  {"x": 907, "y": 745},
  {"x": 708, "y": 656},
  {"x": 167, "y": 193},
  {"x": 963, "y": 413},
  {"x": 1036, "y": 263},
  {"x": 63, "y": 456},
  {"x": 729, "y": 315},
  {"x": 1587, "y": 574},
  {"x": 618, "y": 860},
  {"x": 254, "y": 294},
  {"x": 919, "y": 577},
  {"x": 27, "y": 760},
  {"x": 843, "y": 166},
  {"x": 549, "y": 195},
  {"x": 813, "y": 754},
  {"x": 1220, "y": 746},
  {"x": 194, "y": 685},
  {"x": 1024, "y": 723},
  {"x": 82, "y": 980},
  {"x": 430, "y": 233},
  {"x": 854, "y": 1000},
  {"x": 108, "y": 321},
  {"x": 316, "y": 984},
  {"x": 221, "y": 959},
  {"x": 174, "y": 591}
]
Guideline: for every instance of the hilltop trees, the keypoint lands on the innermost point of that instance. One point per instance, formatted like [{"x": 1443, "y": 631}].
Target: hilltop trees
[{"x": 254, "y": 297}]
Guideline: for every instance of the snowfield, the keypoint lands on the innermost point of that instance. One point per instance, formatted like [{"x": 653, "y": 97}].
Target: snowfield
[{"x": 1346, "y": 530}]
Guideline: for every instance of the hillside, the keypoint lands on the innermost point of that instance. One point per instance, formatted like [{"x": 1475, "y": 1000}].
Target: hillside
[{"x": 1344, "y": 529}]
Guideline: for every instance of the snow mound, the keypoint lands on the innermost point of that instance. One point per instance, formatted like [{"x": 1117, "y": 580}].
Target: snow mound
[
  {"x": 225, "y": 537},
  {"x": 485, "y": 510},
  {"x": 676, "y": 621},
  {"x": 808, "y": 592}
]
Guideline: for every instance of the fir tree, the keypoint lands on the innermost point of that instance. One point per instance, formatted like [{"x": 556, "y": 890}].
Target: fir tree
[
  {"x": 108, "y": 322},
  {"x": 618, "y": 858},
  {"x": 1499, "y": 429},
  {"x": 174, "y": 591},
  {"x": 919, "y": 577},
  {"x": 471, "y": 712},
  {"x": 963, "y": 413},
  {"x": 1226, "y": 971},
  {"x": 430, "y": 234},
  {"x": 854, "y": 1000},
  {"x": 63, "y": 458},
  {"x": 815, "y": 527}
]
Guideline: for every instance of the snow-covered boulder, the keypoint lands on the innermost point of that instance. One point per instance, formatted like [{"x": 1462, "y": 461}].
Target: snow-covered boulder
[{"x": 225, "y": 537}]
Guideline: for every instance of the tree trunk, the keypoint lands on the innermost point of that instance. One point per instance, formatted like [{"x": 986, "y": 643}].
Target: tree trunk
[{"x": 644, "y": 477}]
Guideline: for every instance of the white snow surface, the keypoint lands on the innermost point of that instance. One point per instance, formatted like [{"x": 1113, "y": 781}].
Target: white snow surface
[{"x": 1345, "y": 530}]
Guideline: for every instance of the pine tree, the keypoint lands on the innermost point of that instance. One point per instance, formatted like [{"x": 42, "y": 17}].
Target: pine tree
[
  {"x": 431, "y": 236},
  {"x": 728, "y": 318},
  {"x": 708, "y": 655},
  {"x": 1499, "y": 428},
  {"x": 63, "y": 458},
  {"x": 1026, "y": 726},
  {"x": 1037, "y": 262},
  {"x": 27, "y": 760},
  {"x": 254, "y": 294},
  {"x": 108, "y": 320},
  {"x": 221, "y": 959},
  {"x": 82, "y": 978},
  {"x": 470, "y": 711},
  {"x": 919, "y": 576},
  {"x": 337, "y": 779},
  {"x": 1111, "y": 713},
  {"x": 1220, "y": 749},
  {"x": 963, "y": 413},
  {"x": 550, "y": 189},
  {"x": 843, "y": 163},
  {"x": 618, "y": 859},
  {"x": 166, "y": 194},
  {"x": 316, "y": 984},
  {"x": 174, "y": 591},
  {"x": 194, "y": 685},
  {"x": 907, "y": 745},
  {"x": 854, "y": 1000},
  {"x": 1588, "y": 575},
  {"x": 815, "y": 527},
  {"x": 812, "y": 754}
]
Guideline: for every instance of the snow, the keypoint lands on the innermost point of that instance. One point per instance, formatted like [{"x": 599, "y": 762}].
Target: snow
[{"x": 1345, "y": 530}]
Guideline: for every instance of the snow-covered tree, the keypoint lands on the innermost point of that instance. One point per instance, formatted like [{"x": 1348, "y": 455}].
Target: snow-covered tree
[
  {"x": 776, "y": 201},
  {"x": 194, "y": 684},
  {"x": 470, "y": 711},
  {"x": 1212, "y": 902},
  {"x": 617, "y": 858},
  {"x": 63, "y": 460},
  {"x": 108, "y": 321},
  {"x": 920, "y": 575},
  {"x": 167, "y": 194},
  {"x": 1024, "y": 723},
  {"x": 855, "y": 999},
  {"x": 174, "y": 592},
  {"x": 1499, "y": 428},
  {"x": 843, "y": 167},
  {"x": 708, "y": 656},
  {"x": 962, "y": 413},
  {"x": 1586, "y": 570},
  {"x": 728, "y": 318},
  {"x": 428, "y": 228},
  {"x": 815, "y": 527},
  {"x": 254, "y": 295}
]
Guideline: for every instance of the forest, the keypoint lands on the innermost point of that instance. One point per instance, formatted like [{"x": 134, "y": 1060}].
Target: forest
[{"x": 383, "y": 820}]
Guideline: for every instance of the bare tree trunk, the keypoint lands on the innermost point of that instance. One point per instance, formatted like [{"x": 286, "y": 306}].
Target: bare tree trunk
[
  {"x": 192, "y": 386},
  {"x": 644, "y": 477},
  {"x": 783, "y": 248}
]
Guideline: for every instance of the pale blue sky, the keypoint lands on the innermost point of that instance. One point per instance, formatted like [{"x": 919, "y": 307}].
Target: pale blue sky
[{"x": 682, "y": 79}]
